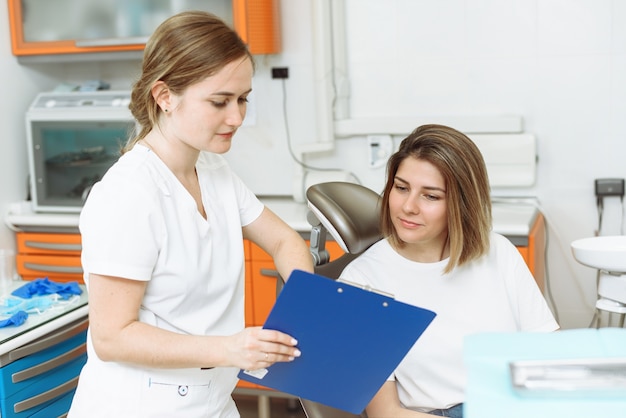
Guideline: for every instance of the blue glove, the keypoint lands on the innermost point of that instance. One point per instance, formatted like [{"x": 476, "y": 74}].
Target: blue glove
[
  {"x": 44, "y": 286},
  {"x": 16, "y": 320}
]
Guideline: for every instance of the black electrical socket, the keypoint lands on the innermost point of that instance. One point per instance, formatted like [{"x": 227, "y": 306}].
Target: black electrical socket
[
  {"x": 280, "y": 72},
  {"x": 609, "y": 187}
]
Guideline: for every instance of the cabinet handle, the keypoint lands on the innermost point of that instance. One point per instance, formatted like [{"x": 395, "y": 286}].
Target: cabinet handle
[
  {"x": 279, "y": 279},
  {"x": 53, "y": 269},
  {"x": 270, "y": 273},
  {"x": 131, "y": 40},
  {"x": 50, "y": 364},
  {"x": 53, "y": 246},
  {"x": 62, "y": 334},
  {"x": 46, "y": 396}
]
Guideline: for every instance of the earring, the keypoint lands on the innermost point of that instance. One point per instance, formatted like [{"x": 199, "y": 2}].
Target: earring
[{"x": 165, "y": 110}]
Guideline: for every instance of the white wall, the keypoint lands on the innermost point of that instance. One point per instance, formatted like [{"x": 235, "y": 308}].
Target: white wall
[{"x": 560, "y": 64}]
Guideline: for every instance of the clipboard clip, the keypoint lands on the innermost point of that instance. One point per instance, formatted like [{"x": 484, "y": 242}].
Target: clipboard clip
[{"x": 367, "y": 287}]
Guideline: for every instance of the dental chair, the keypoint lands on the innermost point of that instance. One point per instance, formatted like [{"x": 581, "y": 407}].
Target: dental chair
[{"x": 350, "y": 213}]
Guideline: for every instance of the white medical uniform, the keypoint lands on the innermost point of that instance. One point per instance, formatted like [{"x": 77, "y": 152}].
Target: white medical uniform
[
  {"x": 140, "y": 223},
  {"x": 495, "y": 293}
]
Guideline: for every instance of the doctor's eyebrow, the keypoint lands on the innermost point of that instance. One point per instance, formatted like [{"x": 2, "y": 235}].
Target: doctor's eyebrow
[{"x": 229, "y": 93}]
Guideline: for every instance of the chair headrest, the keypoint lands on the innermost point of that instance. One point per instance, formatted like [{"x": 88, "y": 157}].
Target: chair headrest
[{"x": 350, "y": 212}]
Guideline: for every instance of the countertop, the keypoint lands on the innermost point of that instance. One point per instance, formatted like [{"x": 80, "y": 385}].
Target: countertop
[
  {"x": 38, "y": 325},
  {"x": 512, "y": 219}
]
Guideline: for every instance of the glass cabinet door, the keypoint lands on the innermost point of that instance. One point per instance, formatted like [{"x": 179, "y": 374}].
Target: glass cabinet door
[
  {"x": 68, "y": 158},
  {"x": 106, "y": 22}
]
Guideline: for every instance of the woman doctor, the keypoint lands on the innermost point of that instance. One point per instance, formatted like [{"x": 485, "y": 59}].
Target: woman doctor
[
  {"x": 440, "y": 254},
  {"x": 162, "y": 237}
]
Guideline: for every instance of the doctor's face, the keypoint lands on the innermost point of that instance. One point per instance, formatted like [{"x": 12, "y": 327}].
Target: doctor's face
[
  {"x": 417, "y": 204},
  {"x": 208, "y": 113}
]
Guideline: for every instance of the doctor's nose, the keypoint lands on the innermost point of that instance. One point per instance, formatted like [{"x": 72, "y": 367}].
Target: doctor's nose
[{"x": 235, "y": 116}]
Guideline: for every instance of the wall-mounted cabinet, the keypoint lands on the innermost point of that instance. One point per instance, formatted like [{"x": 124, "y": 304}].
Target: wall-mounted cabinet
[{"x": 77, "y": 27}]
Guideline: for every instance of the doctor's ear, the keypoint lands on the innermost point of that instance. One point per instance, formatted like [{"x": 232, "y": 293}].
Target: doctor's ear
[{"x": 162, "y": 95}]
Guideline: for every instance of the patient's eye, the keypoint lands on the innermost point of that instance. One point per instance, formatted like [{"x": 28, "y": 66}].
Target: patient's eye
[{"x": 400, "y": 187}]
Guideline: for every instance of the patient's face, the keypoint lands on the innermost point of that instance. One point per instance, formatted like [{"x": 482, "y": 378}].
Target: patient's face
[{"x": 419, "y": 209}]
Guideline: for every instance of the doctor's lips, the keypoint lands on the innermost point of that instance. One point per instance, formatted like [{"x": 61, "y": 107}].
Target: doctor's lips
[{"x": 227, "y": 135}]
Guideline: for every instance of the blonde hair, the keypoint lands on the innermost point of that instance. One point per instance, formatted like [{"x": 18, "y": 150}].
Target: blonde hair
[
  {"x": 183, "y": 50},
  {"x": 463, "y": 168}
]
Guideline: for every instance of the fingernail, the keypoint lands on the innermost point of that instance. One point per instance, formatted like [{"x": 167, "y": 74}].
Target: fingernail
[
  {"x": 294, "y": 341},
  {"x": 297, "y": 353}
]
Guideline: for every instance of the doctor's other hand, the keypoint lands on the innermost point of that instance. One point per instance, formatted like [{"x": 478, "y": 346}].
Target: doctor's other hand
[{"x": 257, "y": 348}]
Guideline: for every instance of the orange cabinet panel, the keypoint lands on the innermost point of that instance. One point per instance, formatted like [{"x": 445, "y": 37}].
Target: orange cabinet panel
[
  {"x": 39, "y": 243},
  {"x": 55, "y": 256},
  {"x": 249, "y": 296},
  {"x": 258, "y": 24},
  {"x": 534, "y": 253},
  {"x": 264, "y": 277},
  {"x": 54, "y": 267},
  {"x": 256, "y": 21}
]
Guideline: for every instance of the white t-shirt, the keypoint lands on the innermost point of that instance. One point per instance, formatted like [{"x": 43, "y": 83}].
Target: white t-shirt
[
  {"x": 140, "y": 223},
  {"x": 495, "y": 293}
]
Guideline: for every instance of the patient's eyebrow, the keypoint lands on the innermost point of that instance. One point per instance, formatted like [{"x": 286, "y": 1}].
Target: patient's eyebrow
[{"x": 432, "y": 188}]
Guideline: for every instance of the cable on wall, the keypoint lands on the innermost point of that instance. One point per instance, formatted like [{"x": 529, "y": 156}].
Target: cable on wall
[{"x": 293, "y": 154}]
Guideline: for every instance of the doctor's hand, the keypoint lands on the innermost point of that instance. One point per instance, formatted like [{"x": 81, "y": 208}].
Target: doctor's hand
[{"x": 257, "y": 348}]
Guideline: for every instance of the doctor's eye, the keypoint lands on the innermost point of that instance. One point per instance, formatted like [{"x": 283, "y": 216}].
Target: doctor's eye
[{"x": 219, "y": 105}]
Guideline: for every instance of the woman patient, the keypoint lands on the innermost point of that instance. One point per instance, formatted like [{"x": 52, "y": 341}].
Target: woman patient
[{"x": 440, "y": 253}]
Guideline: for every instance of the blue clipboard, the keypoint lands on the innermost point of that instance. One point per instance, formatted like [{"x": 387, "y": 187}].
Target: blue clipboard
[{"x": 351, "y": 340}]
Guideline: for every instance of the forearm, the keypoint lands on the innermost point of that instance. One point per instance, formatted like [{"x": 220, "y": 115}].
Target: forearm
[
  {"x": 143, "y": 344},
  {"x": 292, "y": 253},
  {"x": 286, "y": 247}
]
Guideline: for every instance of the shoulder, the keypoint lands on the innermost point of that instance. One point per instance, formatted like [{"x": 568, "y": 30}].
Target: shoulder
[
  {"x": 372, "y": 260},
  {"x": 136, "y": 168},
  {"x": 500, "y": 245},
  {"x": 133, "y": 181},
  {"x": 380, "y": 250}
]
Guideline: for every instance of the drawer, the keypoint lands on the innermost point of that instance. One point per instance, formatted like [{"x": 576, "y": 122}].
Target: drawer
[
  {"x": 264, "y": 277},
  {"x": 249, "y": 296},
  {"x": 41, "y": 366},
  {"x": 45, "y": 391},
  {"x": 27, "y": 363},
  {"x": 39, "y": 378},
  {"x": 55, "y": 268},
  {"x": 56, "y": 408},
  {"x": 56, "y": 244},
  {"x": 46, "y": 342}
]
